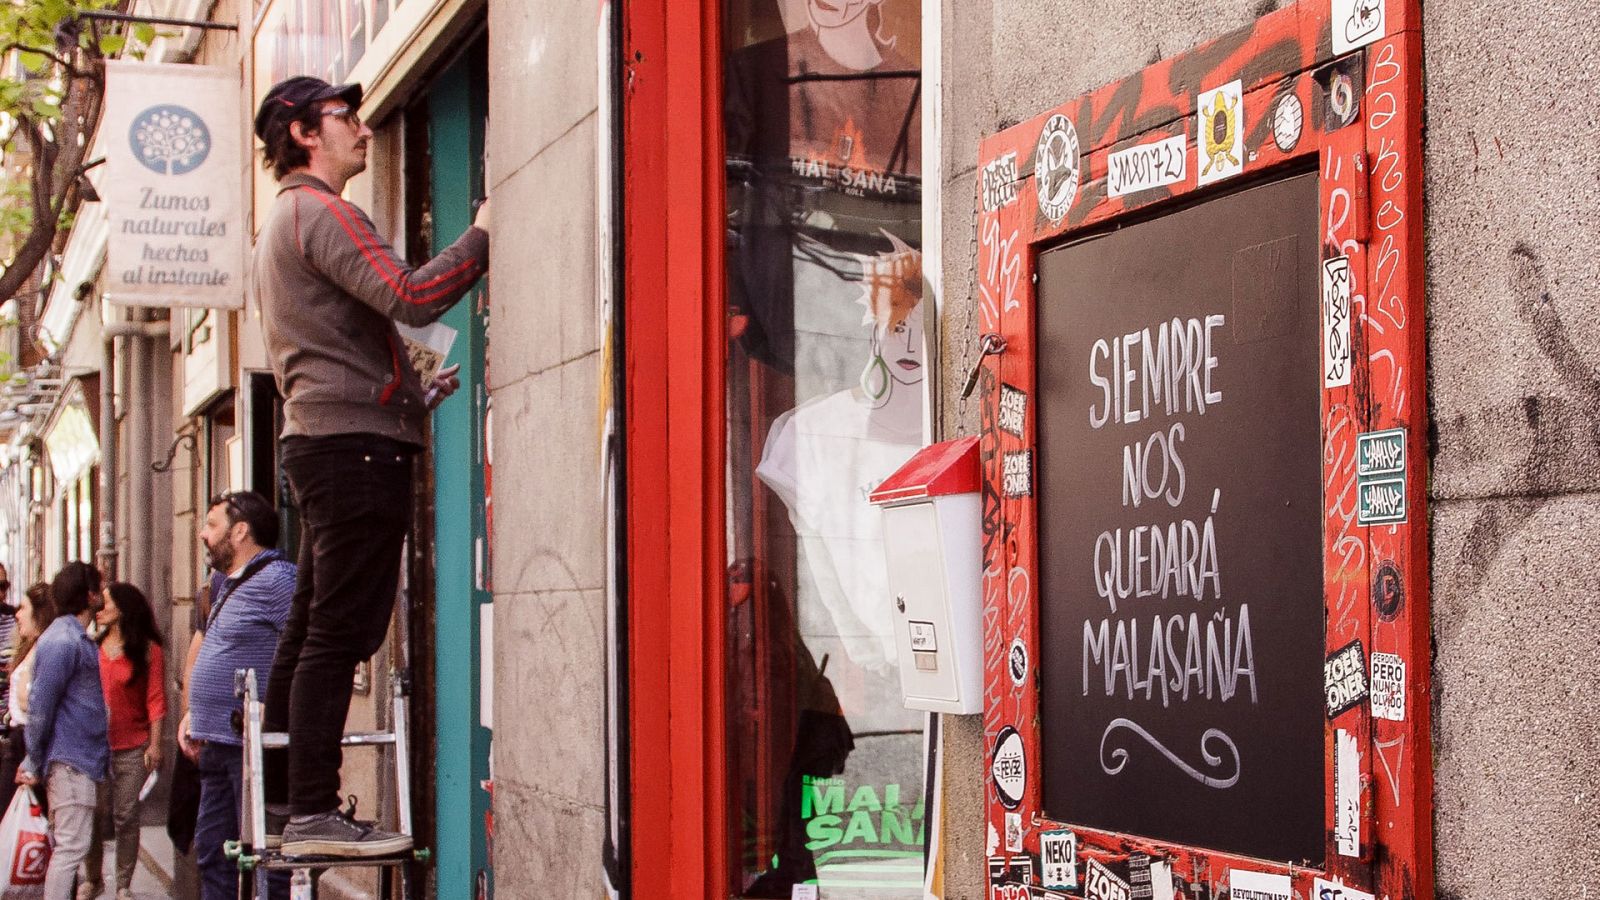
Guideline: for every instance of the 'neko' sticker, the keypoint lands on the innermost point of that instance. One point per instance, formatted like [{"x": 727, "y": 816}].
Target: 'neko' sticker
[{"x": 1058, "y": 859}]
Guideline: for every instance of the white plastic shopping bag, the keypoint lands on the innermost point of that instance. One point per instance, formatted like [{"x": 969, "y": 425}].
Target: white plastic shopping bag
[{"x": 24, "y": 847}]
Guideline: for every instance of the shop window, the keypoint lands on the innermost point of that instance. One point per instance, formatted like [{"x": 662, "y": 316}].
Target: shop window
[
  {"x": 84, "y": 497},
  {"x": 825, "y": 398}
]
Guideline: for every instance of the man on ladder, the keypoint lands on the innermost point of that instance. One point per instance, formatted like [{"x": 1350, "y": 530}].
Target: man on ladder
[{"x": 331, "y": 291}]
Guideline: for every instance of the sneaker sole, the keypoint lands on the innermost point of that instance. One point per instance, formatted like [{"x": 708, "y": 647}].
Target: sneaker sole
[{"x": 348, "y": 849}]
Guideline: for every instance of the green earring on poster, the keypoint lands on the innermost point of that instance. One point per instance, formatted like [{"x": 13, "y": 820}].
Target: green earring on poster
[{"x": 875, "y": 379}]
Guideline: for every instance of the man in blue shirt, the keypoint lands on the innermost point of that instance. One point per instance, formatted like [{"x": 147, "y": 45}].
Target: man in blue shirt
[
  {"x": 248, "y": 611},
  {"x": 67, "y": 743}
]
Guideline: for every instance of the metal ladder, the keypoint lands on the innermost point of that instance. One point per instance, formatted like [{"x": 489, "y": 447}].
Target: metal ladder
[{"x": 255, "y": 861}]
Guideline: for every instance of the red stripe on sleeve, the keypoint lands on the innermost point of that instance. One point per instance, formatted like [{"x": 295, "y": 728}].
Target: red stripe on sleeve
[{"x": 368, "y": 243}]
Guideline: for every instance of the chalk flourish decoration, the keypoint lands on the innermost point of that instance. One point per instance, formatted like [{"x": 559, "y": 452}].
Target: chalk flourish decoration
[{"x": 1119, "y": 755}]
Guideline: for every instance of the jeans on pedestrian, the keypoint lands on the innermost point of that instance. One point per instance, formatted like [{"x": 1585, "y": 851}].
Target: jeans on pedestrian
[
  {"x": 12, "y": 751},
  {"x": 117, "y": 811},
  {"x": 72, "y": 802},
  {"x": 221, "y": 787},
  {"x": 354, "y": 497}
]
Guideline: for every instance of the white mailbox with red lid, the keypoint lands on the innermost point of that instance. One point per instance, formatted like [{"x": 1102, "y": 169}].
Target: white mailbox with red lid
[{"x": 933, "y": 543}]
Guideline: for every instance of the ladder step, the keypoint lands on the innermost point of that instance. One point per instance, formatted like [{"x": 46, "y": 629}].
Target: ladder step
[{"x": 279, "y": 739}]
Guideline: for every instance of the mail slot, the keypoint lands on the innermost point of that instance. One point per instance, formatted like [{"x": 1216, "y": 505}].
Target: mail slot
[{"x": 933, "y": 544}]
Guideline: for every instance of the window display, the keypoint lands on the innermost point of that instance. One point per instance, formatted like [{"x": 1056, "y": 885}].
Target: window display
[{"x": 825, "y": 398}]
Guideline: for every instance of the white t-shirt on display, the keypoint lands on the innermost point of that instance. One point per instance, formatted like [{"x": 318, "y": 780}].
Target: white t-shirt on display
[{"x": 823, "y": 459}]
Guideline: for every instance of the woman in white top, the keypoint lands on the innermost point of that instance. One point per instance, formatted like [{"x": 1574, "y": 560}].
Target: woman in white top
[{"x": 34, "y": 615}]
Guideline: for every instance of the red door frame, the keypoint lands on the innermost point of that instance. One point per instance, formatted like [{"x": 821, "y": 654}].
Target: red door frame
[
  {"x": 672, "y": 309},
  {"x": 1371, "y": 207}
]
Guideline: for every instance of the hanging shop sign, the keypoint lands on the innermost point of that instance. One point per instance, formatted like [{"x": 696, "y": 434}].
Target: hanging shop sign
[
  {"x": 1204, "y": 549},
  {"x": 172, "y": 185},
  {"x": 71, "y": 440}
]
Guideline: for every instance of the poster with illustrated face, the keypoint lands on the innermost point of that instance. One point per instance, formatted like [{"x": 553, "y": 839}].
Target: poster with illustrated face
[{"x": 827, "y": 370}]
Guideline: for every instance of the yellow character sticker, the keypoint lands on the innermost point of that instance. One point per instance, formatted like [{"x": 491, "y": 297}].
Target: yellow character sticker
[{"x": 1219, "y": 122}]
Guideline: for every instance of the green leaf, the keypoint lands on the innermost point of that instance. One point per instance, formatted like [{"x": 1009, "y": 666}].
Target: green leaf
[
  {"x": 33, "y": 62},
  {"x": 145, "y": 33},
  {"x": 45, "y": 110},
  {"x": 112, "y": 44}
]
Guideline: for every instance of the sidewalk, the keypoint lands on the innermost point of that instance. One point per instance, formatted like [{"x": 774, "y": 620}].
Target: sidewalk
[{"x": 153, "y": 879}]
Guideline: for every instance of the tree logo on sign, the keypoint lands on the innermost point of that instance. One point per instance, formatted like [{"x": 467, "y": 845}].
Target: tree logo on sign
[{"x": 169, "y": 139}]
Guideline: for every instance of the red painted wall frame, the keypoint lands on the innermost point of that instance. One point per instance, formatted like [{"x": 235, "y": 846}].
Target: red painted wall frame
[
  {"x": 673, "y": 320},
  {"x": 1361, "y": 127}
]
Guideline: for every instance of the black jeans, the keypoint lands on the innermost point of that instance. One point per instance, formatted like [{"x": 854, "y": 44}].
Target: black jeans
[{"x": 354, "y": 496}]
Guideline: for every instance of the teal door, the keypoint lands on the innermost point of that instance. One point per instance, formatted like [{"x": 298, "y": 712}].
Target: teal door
[{"x": 457, "y": 108}]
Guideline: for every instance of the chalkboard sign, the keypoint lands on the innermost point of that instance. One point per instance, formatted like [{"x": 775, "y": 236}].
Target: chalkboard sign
[{"x": 1180, "y": 507}]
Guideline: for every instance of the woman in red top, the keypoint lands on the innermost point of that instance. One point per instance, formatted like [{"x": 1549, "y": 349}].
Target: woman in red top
[{"x": 133, "y": 676}]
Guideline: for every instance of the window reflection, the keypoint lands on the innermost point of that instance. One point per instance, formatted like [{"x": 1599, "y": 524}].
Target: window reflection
[{"x": 825, "y": 368}]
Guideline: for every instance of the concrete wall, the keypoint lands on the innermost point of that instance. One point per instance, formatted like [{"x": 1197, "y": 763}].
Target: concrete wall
[
  {"x": 1512, "y": 154},
  {"x": 549, "y": 532},
  {"x": 1513, "y": 210}
]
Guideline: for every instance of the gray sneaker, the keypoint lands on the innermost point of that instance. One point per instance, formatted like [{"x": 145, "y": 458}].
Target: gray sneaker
[
  {"x": 336, "y": 833},
  {"x": 276, "y": 822}
]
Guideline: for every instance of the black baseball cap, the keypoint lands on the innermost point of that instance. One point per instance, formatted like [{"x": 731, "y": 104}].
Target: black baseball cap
[{"x": 291, "y": 95}]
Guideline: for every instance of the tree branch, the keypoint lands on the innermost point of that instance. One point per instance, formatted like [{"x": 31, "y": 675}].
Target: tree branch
[
  {"x": 26, "y": 260},
  {"x": 72, "y": 71}
]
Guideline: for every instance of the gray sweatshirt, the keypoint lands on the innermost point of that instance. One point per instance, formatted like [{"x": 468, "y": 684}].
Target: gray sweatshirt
[{"x": 331, "y": 291}]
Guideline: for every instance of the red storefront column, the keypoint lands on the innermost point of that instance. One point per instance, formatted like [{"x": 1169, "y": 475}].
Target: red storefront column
[{"x": 673, "y": 351}]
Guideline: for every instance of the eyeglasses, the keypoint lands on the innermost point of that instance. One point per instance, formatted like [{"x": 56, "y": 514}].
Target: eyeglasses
[
  {"x": 346, "y": 113},
  {"x": 230, "y": 499}
]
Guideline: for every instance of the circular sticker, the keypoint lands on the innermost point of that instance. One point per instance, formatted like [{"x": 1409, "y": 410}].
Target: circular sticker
[
  {"x": 1388, "y": 591},
  {"x": 1055, "y": 167},
  {"x": 1017, "y": 662},
  {"x": 1342, "y": 98},
  {"x": 1009, "y": 768},
  {"x": 1288, "y": 120}
]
